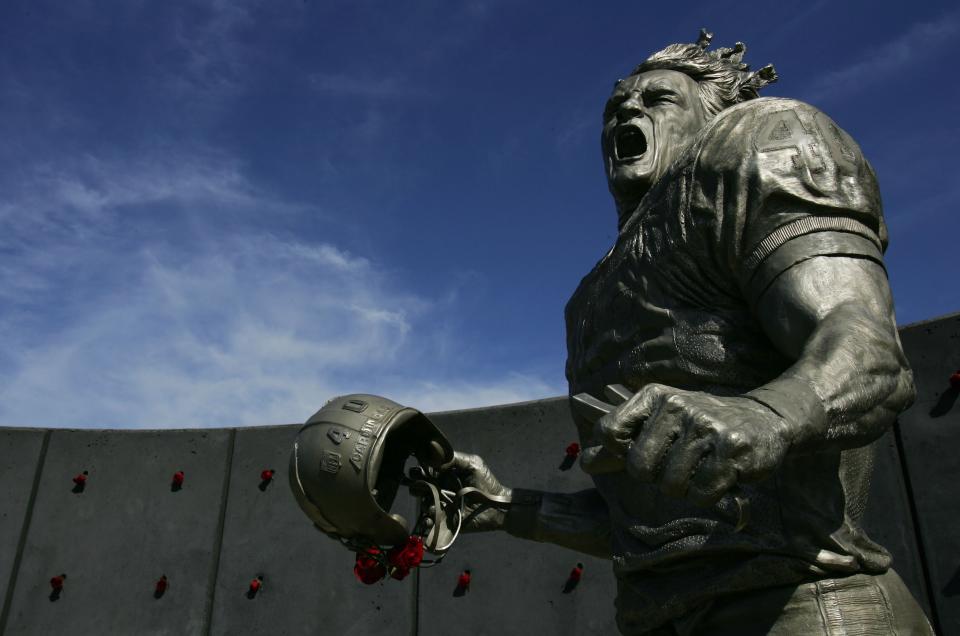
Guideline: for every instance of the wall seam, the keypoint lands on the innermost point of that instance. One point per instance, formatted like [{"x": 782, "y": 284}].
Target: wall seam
[
  {"x": 917, "y": 530},
  {"x": 416, "y": 604},
  {"x": 24, "y": 530},
  {"x": 218, "y": 541}
]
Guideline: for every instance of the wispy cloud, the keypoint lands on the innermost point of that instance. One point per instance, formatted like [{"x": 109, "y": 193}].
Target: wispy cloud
[
  {"x": 784, "y": 30},
  {"x": 222, "y": 324},
  {"x": 214, "y": 57},
  {"x": 254, "y": 330},
  {"x": 459, "y": 393},
  {"x": 81, "y": 197},
  {"x": 922, "y": 40},
  {"x": 91, "y": 184},
  {"x": 372, "y": 87},
  {"x": 577, "y": 130}
]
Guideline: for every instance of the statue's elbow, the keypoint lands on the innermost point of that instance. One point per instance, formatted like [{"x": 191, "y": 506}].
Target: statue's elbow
[{"x": 905, "y": 390}]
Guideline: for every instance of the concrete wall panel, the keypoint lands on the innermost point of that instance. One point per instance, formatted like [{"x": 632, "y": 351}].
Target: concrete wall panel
[
  {"x": 930, "y": 433},
  {"x": 517, "y": 585},
  {"x": 309, "y": 586},
  {"x": 933, "y": 349},
  {"x": 19, "y": 463},
  {"x": 125, "y": 530}
]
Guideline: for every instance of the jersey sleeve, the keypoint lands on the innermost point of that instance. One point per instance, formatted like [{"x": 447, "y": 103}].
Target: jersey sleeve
[{"x": 783, "y": 183}]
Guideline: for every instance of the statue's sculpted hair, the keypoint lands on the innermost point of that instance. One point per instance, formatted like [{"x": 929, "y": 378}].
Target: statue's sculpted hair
[{"x": 722, "y": 78}]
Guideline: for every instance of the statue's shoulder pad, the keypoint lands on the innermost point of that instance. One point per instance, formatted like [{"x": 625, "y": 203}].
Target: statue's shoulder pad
[
  {"x": 753, "y": 109},
  {"x": 769, "y": 125}
]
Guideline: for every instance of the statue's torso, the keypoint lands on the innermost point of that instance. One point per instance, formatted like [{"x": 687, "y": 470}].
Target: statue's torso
[
  {"x": 666, "y": 305},
  {"x": 652, "y": 311}
]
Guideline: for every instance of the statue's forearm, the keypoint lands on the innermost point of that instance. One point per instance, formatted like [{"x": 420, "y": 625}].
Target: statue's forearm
[
  {"x": 848, "y": 384},
  {"x": 578, "y": 521}
]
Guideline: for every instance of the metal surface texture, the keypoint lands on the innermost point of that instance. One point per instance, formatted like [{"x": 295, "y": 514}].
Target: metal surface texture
[{"x": 348, "y": 462}]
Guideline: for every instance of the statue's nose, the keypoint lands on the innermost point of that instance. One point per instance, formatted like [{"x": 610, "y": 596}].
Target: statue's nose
[{"x": 630, "y": 108}]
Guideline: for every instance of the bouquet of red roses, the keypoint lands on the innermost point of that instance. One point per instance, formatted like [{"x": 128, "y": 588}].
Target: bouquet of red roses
[{"x": 373, "y": 564}]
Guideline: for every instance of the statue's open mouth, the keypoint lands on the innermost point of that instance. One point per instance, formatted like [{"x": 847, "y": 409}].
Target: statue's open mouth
[{"x": 630, "y": 143}]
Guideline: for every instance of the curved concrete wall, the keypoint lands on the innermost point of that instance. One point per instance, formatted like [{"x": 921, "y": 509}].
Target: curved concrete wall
[{"x": 222, "y": 529}]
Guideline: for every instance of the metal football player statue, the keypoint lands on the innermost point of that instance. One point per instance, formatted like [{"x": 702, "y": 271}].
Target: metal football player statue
[{"x": 730, "y": 361}]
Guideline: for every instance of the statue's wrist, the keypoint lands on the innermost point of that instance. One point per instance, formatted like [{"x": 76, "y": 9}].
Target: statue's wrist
[
  {"x": 799, "y": 406},
  {"x": 522, "y": 517}
]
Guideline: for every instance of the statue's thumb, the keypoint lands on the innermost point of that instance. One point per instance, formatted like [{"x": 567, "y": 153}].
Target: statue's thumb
[{"x": 597, "y": 460}]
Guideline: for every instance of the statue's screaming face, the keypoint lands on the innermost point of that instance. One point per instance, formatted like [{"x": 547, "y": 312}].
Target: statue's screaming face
[{"x": 648, "y": 121}]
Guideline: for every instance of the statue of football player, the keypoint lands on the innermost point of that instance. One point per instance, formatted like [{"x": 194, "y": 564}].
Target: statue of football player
[{"x": 741, "y": 335}]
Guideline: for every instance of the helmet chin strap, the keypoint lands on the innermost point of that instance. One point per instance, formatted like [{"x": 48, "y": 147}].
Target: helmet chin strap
[
  {"x": 438, "y": 535},
  {"x": 442, "y": 518},
  {"x": 444, "y": 524}
]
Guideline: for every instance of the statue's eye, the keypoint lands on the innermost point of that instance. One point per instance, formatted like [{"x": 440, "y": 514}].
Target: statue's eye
[{"x": 660, "y": 97}]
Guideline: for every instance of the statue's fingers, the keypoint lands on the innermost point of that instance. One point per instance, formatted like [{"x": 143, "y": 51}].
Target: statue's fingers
[
  {"x": 680, "y": 465},
  {"x": 463, "y": 464},
  {"x": 617, "y": 430},
  {"x": 646, "y": 402},
  {"x": 743, "y": 507},
  {"x": 597, "y": 460},
  {"x": 647, "y": 455},
  {"x": 713, "y": 479}
]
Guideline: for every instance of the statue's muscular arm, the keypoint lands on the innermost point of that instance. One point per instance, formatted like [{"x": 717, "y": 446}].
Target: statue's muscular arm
[{"x": 834, "y": 316}]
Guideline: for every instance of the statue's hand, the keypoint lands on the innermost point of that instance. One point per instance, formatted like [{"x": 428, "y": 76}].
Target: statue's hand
[
  {"x": 473, "y": 471},
  {"x": 692, "y": 444}
]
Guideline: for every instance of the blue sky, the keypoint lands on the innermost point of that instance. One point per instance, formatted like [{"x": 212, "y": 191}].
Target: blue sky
[{"x": 224, "y": 212}]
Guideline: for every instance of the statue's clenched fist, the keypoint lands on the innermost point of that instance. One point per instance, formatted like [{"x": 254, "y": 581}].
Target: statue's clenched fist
[{"x": 692, "y": 444}]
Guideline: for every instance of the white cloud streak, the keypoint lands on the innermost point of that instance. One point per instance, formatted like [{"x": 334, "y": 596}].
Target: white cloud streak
[
  {"x": 81, "y": 192},
  {"x": 241, "y": 327},
  {"x": 886, "y": 61},
  {"x": 379, "y": 87},
  {"x": 214, "y": 56}
]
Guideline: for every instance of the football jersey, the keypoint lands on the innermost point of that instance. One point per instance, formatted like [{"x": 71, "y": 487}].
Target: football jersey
[{"x": 765, "y": 185}]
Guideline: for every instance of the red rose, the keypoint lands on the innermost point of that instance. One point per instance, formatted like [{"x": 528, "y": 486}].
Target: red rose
[
  {"x": 403, "y": 558},
  {"x": 266, "y": 475},
  {"x": 368, "y": 568},
  {"x": 573, "y": 449}
]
